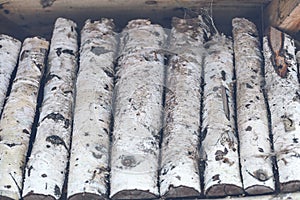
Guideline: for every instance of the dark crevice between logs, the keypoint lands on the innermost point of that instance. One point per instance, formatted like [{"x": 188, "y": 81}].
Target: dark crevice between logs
[
  {"x": 40, "y": 98},
  {"x": 273, "y": 157},
  {"x": 161, "y": 133},
  {"x": 112, "y": 119},
  {"x": 234, "y": 99},
  {"x": 203, "y": 131},
  {"x": 12, "y": 78},
  {"x": 64, "y": 189}
]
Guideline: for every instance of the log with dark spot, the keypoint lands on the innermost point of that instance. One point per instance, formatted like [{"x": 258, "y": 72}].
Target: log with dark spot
[
  {"x": 93, "y": 110},
  {"x": 182, "y": 111},
  {"x": 252, "y": 117},
  {"x": 138, "y": 112},
  {"x": 50, "y": 150},
  {"x": 18, "y": 115},
  {"x": 219, "y": 145},
  {"x": 283, "y": 98}
]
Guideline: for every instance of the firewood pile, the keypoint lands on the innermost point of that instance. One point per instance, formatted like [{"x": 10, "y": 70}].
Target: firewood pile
[{"x": 150, "y": 113}]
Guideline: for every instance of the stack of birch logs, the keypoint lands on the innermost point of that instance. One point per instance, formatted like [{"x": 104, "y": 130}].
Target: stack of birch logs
[{"x": 149, "y": 113}]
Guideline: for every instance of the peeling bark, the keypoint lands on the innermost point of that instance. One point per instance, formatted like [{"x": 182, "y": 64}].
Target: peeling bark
[
  {"x": 46, "y": 168},
  {"x": 252, "y": 120},
  {"x": 89, "y": 165},
  {"x": 18, "y": 116},
  {"x": 219, "y": 146},
  {"x": 284, "y": 101},
  {"x": 138, "y": 113},
  {"x": 179, "y": 174},
  {"x": 9, "y": 53}
]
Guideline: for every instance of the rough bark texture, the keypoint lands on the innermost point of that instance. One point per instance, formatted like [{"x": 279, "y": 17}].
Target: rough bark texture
[
  {"x": 46, "y": 168},
  {"x": 9, "y": 53},
  {"x": 18, "y": 116},
  {"x": 179, "y": 174},
  {"x": 284, "y": 102},
  {"x": 89, "y": 167},
  {"x": 219, "y": 145},
  {"x": 252, "y": 119},
  {"x": 138, "y": 113}
]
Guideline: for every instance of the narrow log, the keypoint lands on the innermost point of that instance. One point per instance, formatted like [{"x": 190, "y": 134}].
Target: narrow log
[
  {"x": 179, "y": 174},
  {"x": 138, "y": 112},
  {"x": 18, "y": 116},
  {"x": 252, "y": 119},
  {"x": 220, "y": 145},
  {"x": 9, "y": 53},
  {"x": 46, "y": 168},
  {"x": 89, "y": 167},
  {"x": 282, "y": 88}
]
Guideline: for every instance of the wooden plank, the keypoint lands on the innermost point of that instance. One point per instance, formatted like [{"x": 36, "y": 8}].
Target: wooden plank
[
  {"x": 18, "y": 116},
  {"x": 88, "y": 174},
  {"x": 252, "y": 117},
  {"x": 33, "y": 17},
  {"x": 284, "y": 15},
  {"x": 282, "y": 87}
]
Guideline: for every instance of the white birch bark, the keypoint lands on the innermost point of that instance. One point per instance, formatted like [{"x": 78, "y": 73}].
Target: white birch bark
[
  {"x": 219, "y": 145},
  {"x": 9, "y": 53},
  {"x": 18, "y": 116},
  {"x": 252, "y": 119},
  {"x": 89, "y": 167},
  {"x": 138, "y": 113},
  {"x": 284, "y": 102},
  {"x": 179, "y": 174},
  {"x": 46, "y": 168}
]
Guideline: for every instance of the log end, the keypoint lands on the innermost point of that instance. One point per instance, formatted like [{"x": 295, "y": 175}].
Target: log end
[
  {"x": 290, "y": 186},
  {"x": 181, "y": 191},
  {"x": 87, "y": 196},
  {"x": 134, "y": 194},
  {"x": 5, "y": 198},
  {"x": 258, "y": 189},
  {"x": 222, "y": 190},
  {"x": 38, "y": 197}
]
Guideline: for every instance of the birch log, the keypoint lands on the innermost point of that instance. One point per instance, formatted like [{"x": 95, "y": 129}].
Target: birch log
[
  {"x": 46, "y": 168},
  {"x": 252, "y": 119},
  {"x": 284, "y": 101},
  {"x": 9, "y": 52},
  {"x": 138, "y": 112},
  {"x": 18, "y": 116},
  {"x": 94, "y": 88},
  {"x": 179, "y": 174},
  {"x": 219, "y": 145}
]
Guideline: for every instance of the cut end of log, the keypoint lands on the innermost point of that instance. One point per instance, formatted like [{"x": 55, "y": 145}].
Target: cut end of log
[
  {"x": 87, "y": 196},
  {"x": 222, "y": 190},
  {"x": 5, "y": 198},
  {"x": 134, "y": 194},
  {"x": 291, "y": 186},
  {"x": 258, "y": 189},
  {"x": 181, "y": 191},
  {"x": 38, "y": 197}
]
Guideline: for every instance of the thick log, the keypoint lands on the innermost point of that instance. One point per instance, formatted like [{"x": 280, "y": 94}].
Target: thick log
[
  {"x": 18, "y": 116},
  {"x": 46, "y": 168},
  {"x": 179, "y": 174},
  {"x": 9, "y": 53},
  {"x": 252, "y": 119},
  {"x": 284, "y": 103},
  {"x": 89, "y": 167},
  {"x": 138, "y": 112},
  {"x": 219, "y": 146}
]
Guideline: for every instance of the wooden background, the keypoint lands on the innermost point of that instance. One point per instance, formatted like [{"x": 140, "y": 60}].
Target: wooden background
[{"x": 36, "y": 17}]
